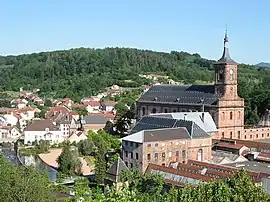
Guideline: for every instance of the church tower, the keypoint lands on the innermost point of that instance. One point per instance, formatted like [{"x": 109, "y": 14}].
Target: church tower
[{"x": 230, "y": 107}]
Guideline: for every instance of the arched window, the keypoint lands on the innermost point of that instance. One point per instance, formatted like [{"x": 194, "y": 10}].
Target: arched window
[
  {"x": 231, "y": 115},
  {"x": 200, "y": 155},
  {"x": 231, "y": 135},
  {"x": 154, "y": 110},
  {"x": 223, "y": 115},
  {"x": 143, "y": 111}
]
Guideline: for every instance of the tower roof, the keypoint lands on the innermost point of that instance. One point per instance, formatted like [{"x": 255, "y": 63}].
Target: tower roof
[{"x": 226, "y": 59}]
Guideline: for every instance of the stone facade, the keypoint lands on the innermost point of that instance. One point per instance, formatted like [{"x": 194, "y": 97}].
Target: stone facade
[{"x": 165, "y": 152}]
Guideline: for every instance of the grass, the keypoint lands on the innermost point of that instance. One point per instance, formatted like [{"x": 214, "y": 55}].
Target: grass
[
  {"x": 91, "y": 160},
  {"x": 28, "y": 151}
]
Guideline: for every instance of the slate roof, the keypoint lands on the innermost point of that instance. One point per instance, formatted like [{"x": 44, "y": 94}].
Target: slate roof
[
  {"x": 226, "y": 59},
  {"x": 181, "y": 95},
  {"x": 41, "y": 125},
  {"x": 153, "y": 122},
  {"x": 202, "y": 119},
  {"x": 95, "y": 119},
  {"x": 113, "y": 173},
  {"x": 156, "y": 135}
]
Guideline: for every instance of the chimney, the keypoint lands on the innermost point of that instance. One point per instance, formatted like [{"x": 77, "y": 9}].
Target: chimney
[
  {"x": 203, "y": 117},
  {"x": 185, "y": 116}
]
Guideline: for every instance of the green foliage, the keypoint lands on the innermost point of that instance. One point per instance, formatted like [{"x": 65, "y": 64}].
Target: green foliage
[
  {"x": 149, "y": 187},
  {"x": 68, "y": 161},
  {"x": 20, "y": 184},
  {"x": 100, "y": 163},
  {"x": 86, "y": 147},
  {"x": 111, "y": 142},
  {"x": 81, "y": 111},
  {"x": 4, "y": 103},
  {"x": 48, "y": 103},
  {"x": 43, "y": 146}
]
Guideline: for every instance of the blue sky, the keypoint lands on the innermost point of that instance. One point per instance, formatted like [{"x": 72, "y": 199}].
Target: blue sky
[{"x": 183, "y": 25}]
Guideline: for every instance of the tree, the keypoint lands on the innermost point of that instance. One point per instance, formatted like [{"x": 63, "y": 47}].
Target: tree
[
  {"x": 68, "y": 161},
  {"x": 100, "y": 165},
  {"x": 81, "y": 111},
  {"x": 17, "y": 184},
  {"x": 43, "y": 146},
  {"x": 85, "y": 147},
  {"x": 48, "y": 103}
]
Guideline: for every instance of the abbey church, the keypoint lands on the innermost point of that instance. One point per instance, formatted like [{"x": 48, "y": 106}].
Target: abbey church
[{"x": 221, "y": 100}]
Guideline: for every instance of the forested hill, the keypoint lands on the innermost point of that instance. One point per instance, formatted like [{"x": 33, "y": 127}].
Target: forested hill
[{"x": 81, "y": 72}]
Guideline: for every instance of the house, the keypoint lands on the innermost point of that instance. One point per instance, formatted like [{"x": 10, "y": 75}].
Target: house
[
  {"x": 96, "y": 121},
  {"x": 108, "y": 106},
  {"x": 43, "y": 130},
  {"x": 92, "y": 106},
  {"x": 113, "y": 173},
  {"x": 161, "y": 145},
  {"x": 9, "y": 132},
  {"x": 28, "y": 113},
  {"x": 67, "y": 102},
  {"x": 12, "y": 118},
  {"x": 77, "y": 136},
  {"x": 202, "y": 119}
]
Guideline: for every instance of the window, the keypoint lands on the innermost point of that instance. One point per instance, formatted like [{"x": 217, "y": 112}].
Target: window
[
  {"x": 262, "y": 135},
  {"x": 143, "y": 111},
  {"x": 126, "y": 163},
  {"x": 154, "y": 110},
  {"x": 156, "y": 156},
  {"x": 267, "y": 134},
  {"x": 174, "y": 110},
  {"x": 137, "y": 156},
  {"x": 238, "y": 134},
  {"x": 126, "y": 154},
  {"x": 163, "y": 156},
  {"x": 223, "y": 116},
  {"x": 250, "y": 136},
  {"x": 149, "y": 145},
  {"x": 200, "y": 155},
  {"x": 239, "y": 115},
  {"x": 163, "y": 164},
  {"x": 231, "y": 135},
  {"x": 131, "y": 144},
  {"x": 165, "y": 110},
  {"x": 126, "y": 143},
  {"x": 131, "y": 165},
  {"x": 156, "y": 145},
  {"x": 257, "y": 135},
  {"x": 148, "y": 157},
  {"x": 131, "y": 155},
  {"x": 184, "y": 153},
  {"x": 222, "y": 134},
  {"x": 245, "y": 137},
  {"x": 231, "y": 115},
  {"x": 177, "y": 153}
]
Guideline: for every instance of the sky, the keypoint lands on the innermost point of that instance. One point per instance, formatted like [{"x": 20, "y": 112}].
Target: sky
[{"x": 193, "y": 26}]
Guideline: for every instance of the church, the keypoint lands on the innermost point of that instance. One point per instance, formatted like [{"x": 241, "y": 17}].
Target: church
[{"x": 221, "y": 100}]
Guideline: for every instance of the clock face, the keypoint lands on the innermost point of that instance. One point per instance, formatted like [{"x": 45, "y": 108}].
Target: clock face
[{"x": 231, "y": 71}]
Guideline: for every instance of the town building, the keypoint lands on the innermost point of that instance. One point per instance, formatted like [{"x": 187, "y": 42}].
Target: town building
[
  {"x": 221, "y": 100},
  {"x": 96, "y": 121},
  {"x": 162, "y": 140},
  {"x": 9, "y": 134}
]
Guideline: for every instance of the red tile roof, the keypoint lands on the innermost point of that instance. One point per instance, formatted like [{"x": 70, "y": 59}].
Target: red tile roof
[
  {"x": 247, "y": 143},
  {"x": 230, "y": 146},
  {"x": 92, "y": 103}
]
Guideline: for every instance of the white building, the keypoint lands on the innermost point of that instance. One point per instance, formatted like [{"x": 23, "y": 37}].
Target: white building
[
  {"x": 43, "y": 130},
  {"x": 9, "y": 133}
]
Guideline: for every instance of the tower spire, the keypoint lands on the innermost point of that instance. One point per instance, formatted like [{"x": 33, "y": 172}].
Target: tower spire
[{"x": 226, "y": 59}]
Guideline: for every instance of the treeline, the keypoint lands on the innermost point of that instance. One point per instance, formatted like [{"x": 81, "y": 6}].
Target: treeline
[
  {"x": 82, "y": 72},
  {"x": 152, "y": 188}
]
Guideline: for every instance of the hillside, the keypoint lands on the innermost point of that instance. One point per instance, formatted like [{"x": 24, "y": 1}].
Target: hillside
[
  {"x": 82, "y": 72},
  {"x": 263, "y": 64}
]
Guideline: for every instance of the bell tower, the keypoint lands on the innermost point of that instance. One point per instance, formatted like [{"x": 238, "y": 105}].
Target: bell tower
[
  {"x": 226, "y": 74},
  {"x": 230, "y": 107}
]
